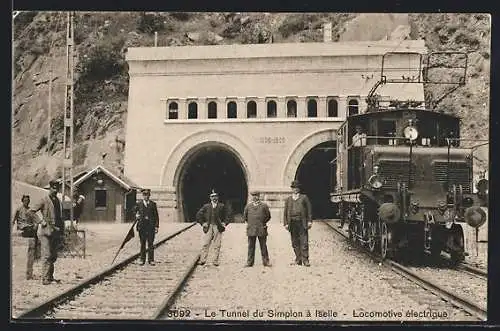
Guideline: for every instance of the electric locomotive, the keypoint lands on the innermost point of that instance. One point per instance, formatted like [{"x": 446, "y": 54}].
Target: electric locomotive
[{"x": 404, "y": 182}]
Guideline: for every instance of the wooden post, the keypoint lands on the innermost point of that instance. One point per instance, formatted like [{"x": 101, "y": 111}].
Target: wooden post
[{"x": 49, "y": 117}]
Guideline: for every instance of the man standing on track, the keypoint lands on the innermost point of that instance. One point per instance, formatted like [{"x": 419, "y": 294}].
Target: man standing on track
[
  {"x": 213, "y": 216},
  {"x": 50, "y": 230},
  {"x": 298, "y": 220},
  {"x": 147, "y": 225},
  {"x": 256, "y": 215}
]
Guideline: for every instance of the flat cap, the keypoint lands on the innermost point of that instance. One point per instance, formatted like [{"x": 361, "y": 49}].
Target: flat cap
[
  {"x": 54, "y": 184},
  {"x": 146, "y": 191}
]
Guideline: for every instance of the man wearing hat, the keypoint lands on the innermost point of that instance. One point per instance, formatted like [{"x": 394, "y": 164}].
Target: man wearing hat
[
  {"x": 78, "y": 200},
  {"x": 147, "y": 225},
  {"x": 213, "y": 216},
  {"x": 298, "y": 220},
  {"x": 50, "y": 230},
  {"x": 256, "y": 214}
]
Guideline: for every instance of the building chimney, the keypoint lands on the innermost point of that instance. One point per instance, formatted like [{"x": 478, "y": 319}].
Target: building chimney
[{"x": 327, "y": 32}]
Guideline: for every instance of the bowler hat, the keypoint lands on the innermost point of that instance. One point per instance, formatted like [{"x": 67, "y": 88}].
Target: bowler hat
[
  {"x": 254, "y": 192},
  {"x": 295, "y": 184},
  {"x": 214, "y": 194},
  {"x": 146, "y": 191}
]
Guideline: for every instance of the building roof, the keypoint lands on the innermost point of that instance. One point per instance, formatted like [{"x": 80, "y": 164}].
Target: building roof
[
  {"x": 119, "y": 179},
  {"x": 274, "y": 50},
  {"x": 75, "y": 178}
]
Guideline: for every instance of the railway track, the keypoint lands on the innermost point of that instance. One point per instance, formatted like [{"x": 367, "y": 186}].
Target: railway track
[
  {"x": 476, "y": 272},
  {"x": 128, "y": 290},
  {"x": 438, "y": 291}
]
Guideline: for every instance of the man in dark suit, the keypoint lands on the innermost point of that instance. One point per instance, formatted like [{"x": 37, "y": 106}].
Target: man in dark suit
[
  {"x": 298, "y": 220},
  {"x": 213, "y": 216},
  {"x": 147, "y": 225},
  {"x": 256, "y": 215}
]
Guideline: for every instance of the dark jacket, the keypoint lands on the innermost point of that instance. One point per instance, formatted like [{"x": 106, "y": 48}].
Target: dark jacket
[
  {"x": 46, "y": 207},
  {"x": 147, "y": 217},
  {"x": 221, "y": 215},
  {"x": 305, "y": 210},
  {"x": 256, "y": 217}
]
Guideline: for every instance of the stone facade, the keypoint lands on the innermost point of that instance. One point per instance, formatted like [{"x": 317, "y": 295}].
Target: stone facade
[{"x": 174, "y": 91}]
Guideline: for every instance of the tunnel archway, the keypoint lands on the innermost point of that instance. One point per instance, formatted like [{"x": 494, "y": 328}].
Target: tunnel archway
[
  {"x": 212, "y": 166},
  {"x": 317, "y": 177}
]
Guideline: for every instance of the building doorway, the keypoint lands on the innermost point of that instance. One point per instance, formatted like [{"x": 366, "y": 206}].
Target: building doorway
[{"x": 212, "y": 166}]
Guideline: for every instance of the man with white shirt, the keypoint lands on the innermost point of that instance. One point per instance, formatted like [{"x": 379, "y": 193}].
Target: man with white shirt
[
  {"x": 213, "y": 217},
  {"x": 147, "y": 225},
  {"x": 359, "y": 138},
  {"x": 298, "y": 220}
]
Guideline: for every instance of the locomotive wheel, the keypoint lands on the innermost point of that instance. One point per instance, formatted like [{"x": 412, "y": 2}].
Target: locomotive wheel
[
  {"x": 352, "y": 233},
  {"x": 385, "y": 241},
  {"x": 457, "y": 246},
  {"x": 372, "y": 236}
]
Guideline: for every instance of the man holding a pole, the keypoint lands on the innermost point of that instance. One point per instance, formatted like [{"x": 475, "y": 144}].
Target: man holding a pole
[{"x": 147, "y": 225}]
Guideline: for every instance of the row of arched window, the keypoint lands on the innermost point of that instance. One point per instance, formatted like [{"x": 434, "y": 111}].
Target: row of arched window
[{"x": 251, "y": 109}]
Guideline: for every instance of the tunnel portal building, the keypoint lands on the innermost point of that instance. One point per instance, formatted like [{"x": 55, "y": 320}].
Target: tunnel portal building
[{"x": 235, "y": 118}]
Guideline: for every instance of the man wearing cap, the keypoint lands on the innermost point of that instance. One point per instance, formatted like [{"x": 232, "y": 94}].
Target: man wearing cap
[
  {"x": 359, "y": 138},
  {"x": 213, "y": 217},
  {"x": 78, "y": 200},
  {"x": 256, "y": 214},
  {"x": 298, "y": 220},
  {"x": 50, "y": 230},
  {"x": 147, "y": 225}
]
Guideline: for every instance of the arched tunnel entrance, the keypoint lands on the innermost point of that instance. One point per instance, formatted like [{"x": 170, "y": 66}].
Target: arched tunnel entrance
[
  {"x": 212, "y": 166},
  {"x": 317, "y": 177}
]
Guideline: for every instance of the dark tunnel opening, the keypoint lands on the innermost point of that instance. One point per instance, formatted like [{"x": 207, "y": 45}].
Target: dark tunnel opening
[
  {"x": 317, "y": 178},
  {"x": 212, "y": 167}
]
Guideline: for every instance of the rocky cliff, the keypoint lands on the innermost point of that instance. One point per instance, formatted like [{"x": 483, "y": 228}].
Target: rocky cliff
[{"x": 101, "y": 81}]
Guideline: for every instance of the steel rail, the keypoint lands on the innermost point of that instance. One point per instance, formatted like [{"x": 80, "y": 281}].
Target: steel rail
[
  {"x": 49, "y": 304},
  {"x": 170, "y": 299},
  {"x": 477, "y": 272},
  {"x": 453, "y": 298}
]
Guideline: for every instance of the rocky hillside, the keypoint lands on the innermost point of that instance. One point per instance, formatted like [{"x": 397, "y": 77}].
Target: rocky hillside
[{"x": 101, "y": 81}]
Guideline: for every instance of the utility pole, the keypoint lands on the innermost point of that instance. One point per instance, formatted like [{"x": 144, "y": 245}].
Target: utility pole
[
  {"x": 68, "y": 116},
  {"x": 49, "y": 119}
]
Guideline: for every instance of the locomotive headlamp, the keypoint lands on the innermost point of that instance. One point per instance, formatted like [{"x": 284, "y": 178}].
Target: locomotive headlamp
[
  {"x": 410, "y": 132},
  {"x": 375, "y": 181}
]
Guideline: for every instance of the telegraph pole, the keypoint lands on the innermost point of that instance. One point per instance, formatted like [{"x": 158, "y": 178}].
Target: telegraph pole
[
  {"x": 68, "y": 115},
  {"x": 49, "y": 119}
]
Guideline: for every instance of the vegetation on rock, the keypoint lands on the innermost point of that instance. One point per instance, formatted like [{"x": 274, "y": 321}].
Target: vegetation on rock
[{"x": 101, "y": 78}]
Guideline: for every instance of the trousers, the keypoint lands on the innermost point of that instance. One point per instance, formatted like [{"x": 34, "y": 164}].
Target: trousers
[
  {"x": 49, "y": 247},
  {"x": 263, "y": 249},
  {"x": 300, "y": 241},
  {"x": 212, "y": 238},
  {"x": 147, "y": 236}
]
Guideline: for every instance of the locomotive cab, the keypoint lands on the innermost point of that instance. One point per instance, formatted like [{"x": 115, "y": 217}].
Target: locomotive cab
[{"x": 405, "y": 168}]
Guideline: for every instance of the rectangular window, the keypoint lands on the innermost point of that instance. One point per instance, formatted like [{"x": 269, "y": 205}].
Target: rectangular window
[{"x": 100, "y": 199}]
